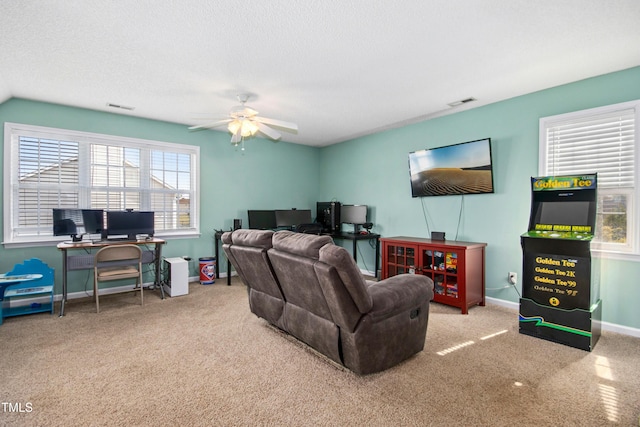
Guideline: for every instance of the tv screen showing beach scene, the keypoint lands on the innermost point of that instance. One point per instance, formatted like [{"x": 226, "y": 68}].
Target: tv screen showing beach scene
[{"x": 464, "y": 168}]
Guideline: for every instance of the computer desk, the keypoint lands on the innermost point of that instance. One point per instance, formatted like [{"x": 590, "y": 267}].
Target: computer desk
[
  {"x": 85, "y": 261},
  {"x": 355, "y": 237}
]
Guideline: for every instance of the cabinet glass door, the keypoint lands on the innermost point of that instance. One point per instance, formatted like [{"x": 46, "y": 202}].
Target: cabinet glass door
[
  {"x": 451, "y": 262},
  {"x": 401, "y": 259},
  {"x": 442, "y": 267},
  {"x": 433, "y": 260},
  {"x": 451, "y": 286},
  {"x": 438, "y": 284}
]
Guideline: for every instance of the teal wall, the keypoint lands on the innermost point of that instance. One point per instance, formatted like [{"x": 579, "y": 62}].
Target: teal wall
[
  {"x": 267, "y": 175},
  {"x": 373, "y": 170}
]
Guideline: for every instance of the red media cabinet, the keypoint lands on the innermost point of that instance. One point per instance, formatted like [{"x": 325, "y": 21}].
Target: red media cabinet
[{"x": 456, "y": 268}]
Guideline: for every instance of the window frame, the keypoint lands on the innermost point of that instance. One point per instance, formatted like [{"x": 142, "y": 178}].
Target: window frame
[
  {"x": 631, "y": 249},
  {"x": 12, "y": 133}
]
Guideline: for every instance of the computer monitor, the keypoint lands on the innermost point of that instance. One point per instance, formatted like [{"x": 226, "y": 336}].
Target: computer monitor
[
  {"x": 68, "y": 222},
  {"x": 262, "y": 219},
  {"x": 130, "y": 224},
  {"x": 353, "y": 214},
  {"x": 291, "y": 218},
  {"x": 76, "y": 222},
  {"x": 93, "y": 220}
]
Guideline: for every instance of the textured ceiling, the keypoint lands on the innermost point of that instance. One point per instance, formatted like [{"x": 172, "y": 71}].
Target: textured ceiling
[{"x": 338, "y": 68}]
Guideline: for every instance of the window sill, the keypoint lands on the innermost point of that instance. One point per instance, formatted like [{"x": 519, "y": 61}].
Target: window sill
[{"x": 621, "y": 256}]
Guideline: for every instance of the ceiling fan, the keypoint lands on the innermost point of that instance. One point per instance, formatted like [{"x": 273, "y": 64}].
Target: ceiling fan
[{"x": 244, "y": 121}]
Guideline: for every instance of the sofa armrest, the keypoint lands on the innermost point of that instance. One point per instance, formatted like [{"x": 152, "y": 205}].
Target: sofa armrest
[{"x": 399, "y": 293}]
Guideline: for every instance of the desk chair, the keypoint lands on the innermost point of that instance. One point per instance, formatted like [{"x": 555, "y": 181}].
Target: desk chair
[
  {"x": 115, "y": 262},
  {"x": 310, "y": 228}
]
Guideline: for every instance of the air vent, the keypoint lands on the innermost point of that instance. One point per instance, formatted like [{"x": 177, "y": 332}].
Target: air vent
[
  {"x": 122, "y": 107},
  {"x": 462, "y": 101}
]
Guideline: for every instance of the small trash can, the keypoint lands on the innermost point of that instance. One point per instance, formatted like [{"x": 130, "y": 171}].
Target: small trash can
[{"x": 207, "y": 270}]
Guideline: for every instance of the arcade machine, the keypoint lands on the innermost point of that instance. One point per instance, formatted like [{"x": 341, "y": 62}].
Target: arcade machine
[{"x": 561, "y": 282}]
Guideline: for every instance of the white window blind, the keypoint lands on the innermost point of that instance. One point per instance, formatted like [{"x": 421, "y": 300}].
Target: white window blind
[
  {"x": 603, "y": 143},
  {"x": 48, "y": 174},
  {"x": 48, "y": 168}
]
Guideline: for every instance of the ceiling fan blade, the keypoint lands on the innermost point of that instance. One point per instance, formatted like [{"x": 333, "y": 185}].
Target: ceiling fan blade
[
  {"x": 278, "y": 123},
  {"x": 271, "y": 133},
  {"x": 237, "y": 137},
  {"x": 210, "y": 125}
]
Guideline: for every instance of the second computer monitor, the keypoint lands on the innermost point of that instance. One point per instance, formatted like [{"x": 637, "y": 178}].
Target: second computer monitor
[
  {"x": 353, "y": 214},
  {"x": 292, "y": 217},
  {"x": 130, "y": 223},
  {"x": 262, "y": 219}
]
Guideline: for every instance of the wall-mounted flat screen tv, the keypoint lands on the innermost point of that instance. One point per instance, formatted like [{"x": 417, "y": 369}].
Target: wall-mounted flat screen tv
[{"x": 464, "y": 168}]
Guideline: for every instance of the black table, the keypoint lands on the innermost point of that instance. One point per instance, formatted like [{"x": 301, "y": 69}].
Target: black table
[{"x": 355, "y": 237}]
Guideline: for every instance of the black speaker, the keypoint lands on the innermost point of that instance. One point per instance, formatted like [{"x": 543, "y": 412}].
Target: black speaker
[
  {"x": 328, "y": 214},
  {"x": 437, "y": 235},
  {"x": 237, "y": 224}
]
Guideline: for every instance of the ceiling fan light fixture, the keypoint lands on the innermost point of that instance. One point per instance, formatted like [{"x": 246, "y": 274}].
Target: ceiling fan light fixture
[
  {"x": 243, "y": 122},
  {"x": 247, "y": 127},
  {"x": 250, "y": 127}
]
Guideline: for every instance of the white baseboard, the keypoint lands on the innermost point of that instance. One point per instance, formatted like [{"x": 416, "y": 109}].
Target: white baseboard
[
  {"x": 502, "y": 303},
  {"x": 368, "y": 273},
  {"x": 119, "y": 289},
  {"x": 606, "y": 326}
]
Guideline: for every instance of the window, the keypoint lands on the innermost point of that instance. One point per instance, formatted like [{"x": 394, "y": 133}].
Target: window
[
  {"x": 48, "y": 168},
  {"x": 601, "y": 140}
]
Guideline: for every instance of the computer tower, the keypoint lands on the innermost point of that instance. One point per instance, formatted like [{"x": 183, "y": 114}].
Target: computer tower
[
  {"x": 176, "y": 280},
  {"x": 328, "y": 214}
]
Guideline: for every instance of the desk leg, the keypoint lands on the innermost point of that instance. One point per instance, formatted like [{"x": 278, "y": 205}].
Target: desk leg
[
  {"x": 64, "y": 282},
  {"x": 355, "y": 250},
  {"x": 217, "y": 252},
  {"x": 158, "y": 262}
]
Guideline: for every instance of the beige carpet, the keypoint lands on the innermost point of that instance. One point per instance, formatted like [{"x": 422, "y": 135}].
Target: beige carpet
[{"x": 205, "y": 360}]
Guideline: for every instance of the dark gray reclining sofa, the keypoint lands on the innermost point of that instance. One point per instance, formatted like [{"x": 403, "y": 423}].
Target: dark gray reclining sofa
[{"x": 312, "y": 289}]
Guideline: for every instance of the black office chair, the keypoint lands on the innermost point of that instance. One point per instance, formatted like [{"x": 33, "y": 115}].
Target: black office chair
[{"x": 310, "y": 228}]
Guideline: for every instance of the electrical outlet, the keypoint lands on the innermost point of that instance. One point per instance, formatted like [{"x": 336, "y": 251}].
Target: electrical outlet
[{"x": 513, "y": 277}]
